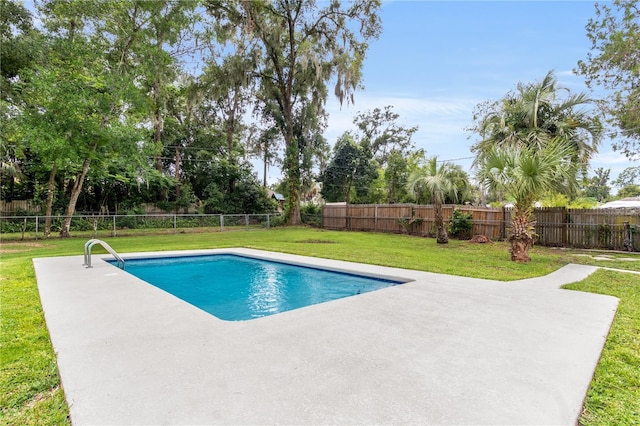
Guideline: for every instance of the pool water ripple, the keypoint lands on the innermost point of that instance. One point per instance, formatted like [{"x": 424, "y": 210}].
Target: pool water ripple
[{"x": 237, "y": 288}]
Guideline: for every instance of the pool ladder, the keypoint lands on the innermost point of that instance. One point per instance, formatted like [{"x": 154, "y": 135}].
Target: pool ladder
[{"x": 87, "y": 252}]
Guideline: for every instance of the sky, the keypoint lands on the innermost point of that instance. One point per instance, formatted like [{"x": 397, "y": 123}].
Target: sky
[{"x": 436, "y": 60}]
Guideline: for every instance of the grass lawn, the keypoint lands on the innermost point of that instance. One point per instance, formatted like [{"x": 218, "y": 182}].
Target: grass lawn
[
  {"x": 614, "y": 395},
  {"x": 30, "y": 391}
]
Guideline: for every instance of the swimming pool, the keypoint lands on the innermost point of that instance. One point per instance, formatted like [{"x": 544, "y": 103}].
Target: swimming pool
[{"x": 237, "y": 288}]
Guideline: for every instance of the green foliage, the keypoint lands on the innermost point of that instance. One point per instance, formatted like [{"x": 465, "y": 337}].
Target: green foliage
[
  {"x": 612, "y": 64},
  {"x": 299, "y": 49},
  {"x": 350, "y": 172},
  {"x": 109, "y": 117},
  {"x": 629, "y": 191},
  {"x": 597, "y": 187},
  {"x": 311, "y": 214},
  {"x": 382, "y": 141},
  {"x": 233, "y": 188},
  {"x": 378, "y": 191},
  {"x": 555, "y": 199},
  {"x": 629, "y": 176},
  {"x": 583, "y": 203},
  {"x": 380, "y": 130},
  {"x": 535, "y": 116},
  {"x": 526, "y": 174},
  {"x": 461, "y": 224},
  {"x": 410, "y": 224},
  {"x": 20, "y": 47},
  {"x": 604, "y": 232},
  {"x": 439, "y": 182},
  {"x": 435, "y": 184},
  {"x": 395, "y": 177}
]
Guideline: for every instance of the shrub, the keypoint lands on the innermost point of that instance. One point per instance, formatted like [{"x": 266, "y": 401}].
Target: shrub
[
  {"x": 311, "y": 214},
  {"x": 461, "y": 225},
  {"x": 604, "y": 235}
]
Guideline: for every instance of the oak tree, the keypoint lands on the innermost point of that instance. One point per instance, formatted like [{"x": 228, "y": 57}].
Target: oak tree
[
  {"x": 613, "y": 64},
  {"x": 304, "y": 45}
]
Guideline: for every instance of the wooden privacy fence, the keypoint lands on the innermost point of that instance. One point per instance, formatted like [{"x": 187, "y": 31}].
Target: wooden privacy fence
[
  {"x": 16, "y": 206},
  {"x": 556, "y": 227}
]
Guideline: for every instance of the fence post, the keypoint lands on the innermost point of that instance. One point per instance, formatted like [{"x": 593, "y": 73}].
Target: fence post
[
  {"x": 375, "y": 219},
  {"x": 565, "y": 228},
  {"x": 346, "y": 216},
  {"x": 246, "y": 221},
  {"x": 175, "y": 231},
  {"x": 36, "y": 228},
  {"x": 628, "y": 241},
  {"x": 114, "y": 225},
  {"x": 221, "y": 223},
  {"x": 503, "y": 228},
  {"x": 268, "y": 221}
]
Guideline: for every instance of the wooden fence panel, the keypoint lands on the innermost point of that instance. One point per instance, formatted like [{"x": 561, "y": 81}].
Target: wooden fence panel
[
  {"x": 425, "y": 217},
  {"x": 580, "y": 228},
  {"x": 550, "y": 227},
  {"x": 8, "y": 208},
  {"x": 334, "y": 216},
  {"x": 360, "y": 217},
  {"x": 486, "y": 221},
  {"x": 391, "y": 217},
  {"x": 602, "y": 228}
]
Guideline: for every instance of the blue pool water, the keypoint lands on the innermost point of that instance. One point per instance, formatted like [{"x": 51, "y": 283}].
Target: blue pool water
[{"x": 239, "y": 288}]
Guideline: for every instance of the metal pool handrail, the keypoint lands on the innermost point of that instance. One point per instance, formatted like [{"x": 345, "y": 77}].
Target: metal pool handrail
[{"x": 87, "y": 252}]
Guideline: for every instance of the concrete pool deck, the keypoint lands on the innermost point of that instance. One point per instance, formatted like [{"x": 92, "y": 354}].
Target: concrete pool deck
[{"x": 438, "y": 350}]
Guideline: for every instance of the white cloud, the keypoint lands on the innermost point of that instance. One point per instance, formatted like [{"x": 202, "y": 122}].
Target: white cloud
[
  {"x": 611, "y": 158},
  {"x": 440, "y": 121},
  {"x": 565, "y": 73}
]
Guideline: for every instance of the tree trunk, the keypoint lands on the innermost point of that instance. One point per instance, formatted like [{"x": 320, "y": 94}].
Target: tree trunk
[
  {"x": 178, "y": 161},
  {"x": 520, "y": 239},
  {"x": 75, "y": 193},
  {"x": 441, "y": 232},
  {"x": 231, "y": 126},
  {"x": 264, "y": 170},
  {"x": 293, "y": 200},
  {"x": 265, "y": 153},
  {"x": 292, "y": 161},
  {"x": 157, "y": 122},
  {"x": 50, "y": 194}
]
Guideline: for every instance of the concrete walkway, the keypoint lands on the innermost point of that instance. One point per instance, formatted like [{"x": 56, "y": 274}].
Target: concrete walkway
[{"x": 438, "y": 350}]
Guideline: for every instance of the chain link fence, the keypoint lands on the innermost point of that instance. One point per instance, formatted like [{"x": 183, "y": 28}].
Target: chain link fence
[{"x": 103, "y": 226}]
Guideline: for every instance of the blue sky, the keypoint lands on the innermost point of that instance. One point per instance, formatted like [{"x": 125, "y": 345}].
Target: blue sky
[{"x": 436, "y": 60}]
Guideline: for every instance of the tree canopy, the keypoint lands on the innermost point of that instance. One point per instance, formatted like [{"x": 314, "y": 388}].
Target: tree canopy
[
  {"x": 350, "y": 172},
  {"x": 379, "y": 129},
  {"x": 302, "y": 47},
  {"x": 106, "y": 105},
  {"x": 535, "y": 115},
  {"x": 613, "y": 65}
]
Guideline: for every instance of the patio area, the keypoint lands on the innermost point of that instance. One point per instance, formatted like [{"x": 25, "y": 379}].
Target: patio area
[{"x": 438, "y": 350}]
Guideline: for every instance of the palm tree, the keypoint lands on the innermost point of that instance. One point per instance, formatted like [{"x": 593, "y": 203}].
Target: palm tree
[
  {"x": 439, "y": 182},
  {"x": 526, "y": 173},
  {"x": 535, "y": 116}
]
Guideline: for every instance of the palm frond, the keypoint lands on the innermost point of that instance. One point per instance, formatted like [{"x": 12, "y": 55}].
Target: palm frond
[
  {"x": 438, "y": 180},
  {"x": 527, "y": 173}
]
